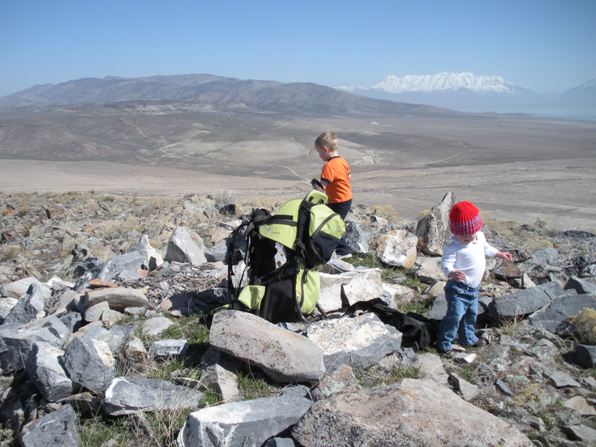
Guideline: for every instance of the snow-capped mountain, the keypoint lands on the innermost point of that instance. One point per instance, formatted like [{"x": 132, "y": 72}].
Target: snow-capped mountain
[
  {"x": 462, "y": 91},
  {"x": 441, "y": 82}
]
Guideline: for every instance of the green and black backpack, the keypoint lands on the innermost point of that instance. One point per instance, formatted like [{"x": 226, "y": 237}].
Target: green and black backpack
[{"x": 303, "y": 234}]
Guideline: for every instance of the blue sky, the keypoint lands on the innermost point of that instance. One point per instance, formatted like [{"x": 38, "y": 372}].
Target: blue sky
[{"x": 544, "y": 45}]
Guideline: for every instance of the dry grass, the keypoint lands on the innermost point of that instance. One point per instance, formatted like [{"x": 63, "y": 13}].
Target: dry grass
[{"x": 584, "y": 326}]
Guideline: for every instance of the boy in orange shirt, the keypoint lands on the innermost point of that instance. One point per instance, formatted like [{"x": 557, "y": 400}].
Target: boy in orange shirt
[{"x": 335, "y": 179}]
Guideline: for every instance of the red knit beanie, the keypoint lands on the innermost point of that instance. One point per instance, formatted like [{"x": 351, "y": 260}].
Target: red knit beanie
[{"x": 464, "y": 218}]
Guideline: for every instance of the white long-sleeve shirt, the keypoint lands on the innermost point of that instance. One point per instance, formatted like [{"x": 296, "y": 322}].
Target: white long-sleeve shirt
[{"x": 468, "y": 258}]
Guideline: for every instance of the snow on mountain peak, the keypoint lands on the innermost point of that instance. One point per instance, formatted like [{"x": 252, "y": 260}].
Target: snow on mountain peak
[{"x": 446, "y": 82}]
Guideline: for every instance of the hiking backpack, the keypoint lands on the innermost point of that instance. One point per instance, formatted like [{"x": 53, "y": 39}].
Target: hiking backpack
[{"x": 301, "y": 235}]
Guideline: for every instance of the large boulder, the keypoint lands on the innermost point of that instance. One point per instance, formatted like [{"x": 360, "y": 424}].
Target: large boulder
[
  {"x": 186, "y": 247},
  {"x": 56, "y": 429},
  {"x": 118, "y": 298},
  {"x": 432, "y": 229},
  {"x": 407, "y": 414},
  {"x": 127, "y": 395},
  {"x": 355, "y": 286},
  {"x": 128, "y": 265},
  {"x": 283, "y": 355},
  {"x": 524, "y": 302},
  {"x": 397, "y": 248},
  {"x": 17, "y": 289},
  {"x": 90, "y": 363},
  {"x": 30, "y": 307},
  {"x": 359, "y": 342},
  {"x": 250, "y": 422},
  {"x": 46, "y": 371},
  {"x": 16, "y": 341},
  {"x": 356, "y": 238},
  {"x": 553, "y": 317}
]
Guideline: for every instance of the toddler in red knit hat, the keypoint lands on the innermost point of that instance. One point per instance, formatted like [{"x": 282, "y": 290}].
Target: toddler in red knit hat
[{"x": 464, "y": 262}]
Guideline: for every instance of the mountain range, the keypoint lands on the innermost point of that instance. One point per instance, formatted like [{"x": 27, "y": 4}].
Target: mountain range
[
  {"x": 207, "y": 90},
  {"x": 473, "y": 93}
]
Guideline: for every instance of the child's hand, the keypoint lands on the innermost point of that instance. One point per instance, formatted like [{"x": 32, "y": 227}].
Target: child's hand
[
  {"x": 457, "y": 275},
  {"x": 504, "y": 255}
]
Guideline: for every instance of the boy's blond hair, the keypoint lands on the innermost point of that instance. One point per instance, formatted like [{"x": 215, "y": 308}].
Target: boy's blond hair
[{"x": 328, "y": 140}]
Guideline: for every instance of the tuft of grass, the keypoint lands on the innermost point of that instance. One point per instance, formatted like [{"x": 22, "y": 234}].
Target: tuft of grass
[
  {"x": 11, "y": 252},
  {"x": 95, "y": 431},
  {"x": 584, "y": 326},
  {"x": 465, "y": 371},
  {"x": 252, "y": 387},
  {"x": 190, "y": 328},
  {"x": 166, "y": 425},
  {"x": 416, "y": 306},
  {"x": 510, "y": 326},
  {"x": 526, "y": 394},
  {"x": 403, "y": 372}
]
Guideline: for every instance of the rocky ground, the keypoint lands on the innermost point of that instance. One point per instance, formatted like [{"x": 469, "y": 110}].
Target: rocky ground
[{"x": 104, "y": 339}]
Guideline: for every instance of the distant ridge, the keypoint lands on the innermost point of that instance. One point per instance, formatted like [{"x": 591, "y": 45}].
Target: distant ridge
[{"x": 205, "y": 89}]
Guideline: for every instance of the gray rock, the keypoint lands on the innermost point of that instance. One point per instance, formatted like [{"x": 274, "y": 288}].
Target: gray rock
[
  {"x": 428, "y": 415},
  {"x": 356, "y": 238},
  {"x": 118, "y": 298},
  {"x": 17, "y": 289},
  {"x": 151, "y": 257},
  {"x": 430, "y": 366},
  {"x": 363, "y": 285},
  {"x": 135, "y": 355},
  {"x": 354, "y": 286},
  {"x": 110, "y": 317},
  {"x": 585, "y": 356},
  {"x": 128, "y": 263},
  {"x": 545, "y": 257},
  {"x": 439, "y": 308},
  {"x": 339, "y": 380},
  {"x": 245, "y": 423},
  {"x": 16, "y": 341},
  {"x": 219, "y": 375},
  {"x": 217, "y": 252},
  {"x": 168, "y": 348},
  {"x": 524, "y": 302},
  {"x": 432, "y": 230},
  {"x": 89, "y": 363},
  {"x": 359, "y": 342},
  {"x": 93, "y": 313},
  {"x": 127, "y": 395},
  {"x": 156, "y": 325},
  {"x": 280, "y": 442},
  {"x": 503, "y": 387},
  {"x": 46, "y": 372},
  {"x": 397, "y": 248},
  {"x": 186, "y": 247},
  {"x": 30, "y": 307},
  {"x": 6, "y": 305},
  {"x": 283, "y": 355},
  {"x": 582, "y": 433},
  {"x": 467, "y": 390},
  {"x": 560, "y": 309},
  {"x": 543, "y": 349},
  {"x": 560, "y": 379},
  {"x": 581, "y": 405},
  {"x": 56, "y": 429},
  {"x": 428, "y": 270},
  {"x": 580, "y": 285}
]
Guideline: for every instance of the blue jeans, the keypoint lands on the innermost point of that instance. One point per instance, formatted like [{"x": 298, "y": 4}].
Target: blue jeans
[
  {"x": 342, "y": 208},
  {"x": 462, "y": 310}
]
